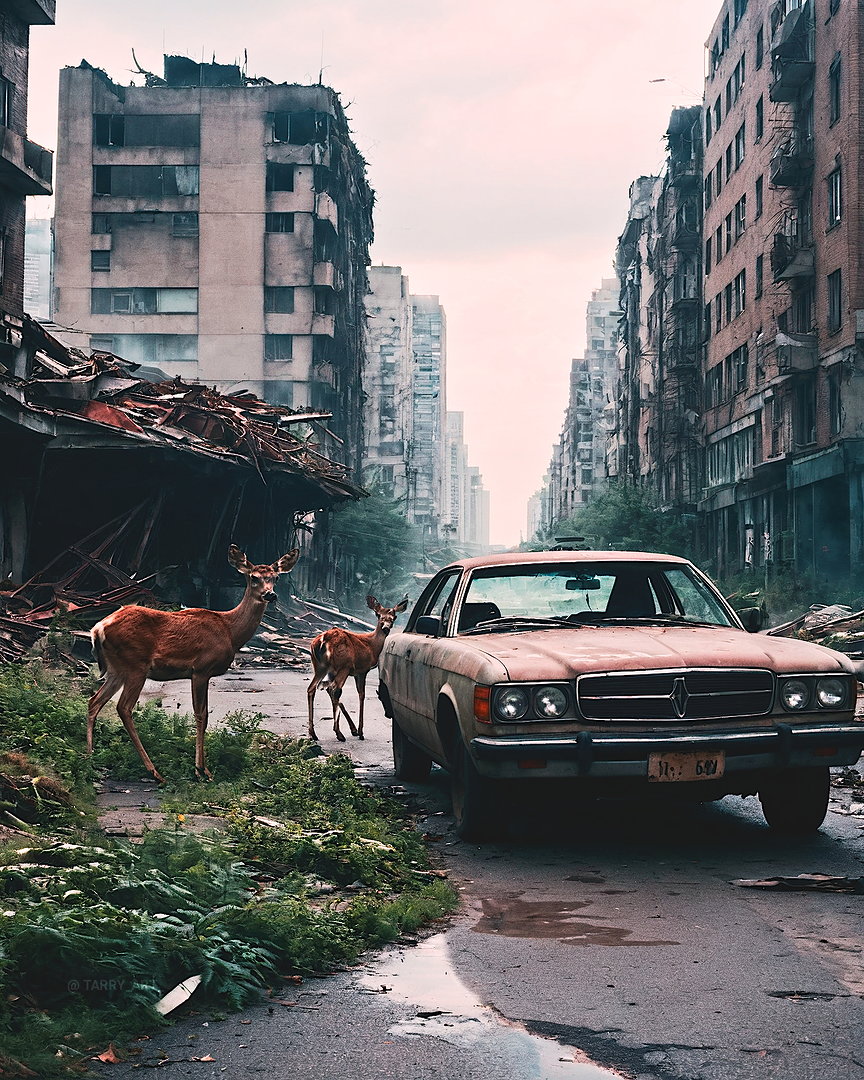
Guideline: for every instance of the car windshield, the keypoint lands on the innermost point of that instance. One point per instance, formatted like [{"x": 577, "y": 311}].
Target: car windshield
[{"x": 590, "y": 593}]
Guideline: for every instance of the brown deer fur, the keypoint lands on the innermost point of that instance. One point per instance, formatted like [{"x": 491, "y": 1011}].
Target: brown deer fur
[
  {"x": 137, "y": 643},
  {"x": 336, "y": 654}
]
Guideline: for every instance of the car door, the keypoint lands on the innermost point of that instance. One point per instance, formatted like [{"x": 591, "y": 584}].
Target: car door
[{"x": 406, "y": 667}]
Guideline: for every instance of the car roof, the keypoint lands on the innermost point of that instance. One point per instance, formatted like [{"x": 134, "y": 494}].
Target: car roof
[{"x": 516, "y": 558}]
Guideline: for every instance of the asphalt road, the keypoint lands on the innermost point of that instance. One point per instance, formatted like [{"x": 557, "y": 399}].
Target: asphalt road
[{"x": 609, "y": 934}]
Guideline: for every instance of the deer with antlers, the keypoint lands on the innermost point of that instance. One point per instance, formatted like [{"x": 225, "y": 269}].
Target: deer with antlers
[
  {"x": 134, "y": 644},
  {"x": 336, "y": 654}
]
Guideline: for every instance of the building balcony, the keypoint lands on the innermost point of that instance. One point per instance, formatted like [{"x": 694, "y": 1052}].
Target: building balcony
[
  {"x": 790, "y": 259},
  {"x": 792, "y": 163},
  {"x": 685, "y": 174},
  {"x": 325, "y": 273},
  {"x": 796, "y": 352},
  {"x": 323, "y": 324},
  {"x": 25, "y": 167},
  {"x": 789, "y": 75}
]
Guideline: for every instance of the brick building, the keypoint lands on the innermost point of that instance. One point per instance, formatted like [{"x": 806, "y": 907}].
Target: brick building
[{"x": 784, "y": 296}]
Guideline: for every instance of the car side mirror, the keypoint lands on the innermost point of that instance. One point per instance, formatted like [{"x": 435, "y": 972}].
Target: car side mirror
[
  {"x": 428, "y": 625},
  {"x": 752, "y": 618}
]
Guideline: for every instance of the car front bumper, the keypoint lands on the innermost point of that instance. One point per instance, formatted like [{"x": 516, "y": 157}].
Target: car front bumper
[{"x": 601, "y": 754}]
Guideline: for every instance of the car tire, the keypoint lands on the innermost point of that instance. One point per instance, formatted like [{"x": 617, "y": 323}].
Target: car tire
[
  {"x": 795, "y": 801},
  {"x": 409, "y": 761},
  {"x": 475, "y": 798}
]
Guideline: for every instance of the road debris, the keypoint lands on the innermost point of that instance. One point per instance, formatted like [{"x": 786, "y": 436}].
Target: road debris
[{"x": 806, "y": 883}]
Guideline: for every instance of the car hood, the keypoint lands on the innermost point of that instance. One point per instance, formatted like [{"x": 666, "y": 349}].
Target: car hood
[{"x": 565, "y": 653}]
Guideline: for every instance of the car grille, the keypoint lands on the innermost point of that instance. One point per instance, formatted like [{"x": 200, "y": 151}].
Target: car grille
[{"x": 708, "y": 694}]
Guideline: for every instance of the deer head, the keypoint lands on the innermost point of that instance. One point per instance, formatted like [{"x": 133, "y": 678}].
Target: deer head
[
  {"x": 261, "y": 578},
  {"x": 386, "y": 616}
]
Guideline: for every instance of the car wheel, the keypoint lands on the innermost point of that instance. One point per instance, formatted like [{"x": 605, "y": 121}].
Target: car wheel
[
  {"x": 795, "y": 801},
  {"x": 475, "y": 798},
  {"x": 409, "y": 761}
]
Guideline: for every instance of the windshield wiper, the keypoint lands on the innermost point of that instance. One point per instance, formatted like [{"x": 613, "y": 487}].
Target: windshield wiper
[
  {"x": 517, "y": 622},
  {"x": 660, "y": 620}
]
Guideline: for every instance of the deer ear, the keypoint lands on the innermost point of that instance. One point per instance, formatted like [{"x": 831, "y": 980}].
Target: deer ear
[
  {"x": 284, "y": 564},
  {"x": 238, "y": 559},
  {"x": 371, "y": 602},
  {"x": 403, "y": 603}
]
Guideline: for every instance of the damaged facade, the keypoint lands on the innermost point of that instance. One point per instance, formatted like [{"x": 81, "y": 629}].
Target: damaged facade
[{"x": 216, "y": 227}]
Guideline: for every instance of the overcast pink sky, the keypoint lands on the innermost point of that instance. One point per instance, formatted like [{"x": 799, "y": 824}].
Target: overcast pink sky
[{"x": 501, "y": 139}]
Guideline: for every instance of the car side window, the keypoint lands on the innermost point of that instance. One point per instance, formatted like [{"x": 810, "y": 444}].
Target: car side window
[{"x": 439, "y": 599}]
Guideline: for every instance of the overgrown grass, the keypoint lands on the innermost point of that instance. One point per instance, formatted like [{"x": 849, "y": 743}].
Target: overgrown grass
[{"x": 311, "y": 869}]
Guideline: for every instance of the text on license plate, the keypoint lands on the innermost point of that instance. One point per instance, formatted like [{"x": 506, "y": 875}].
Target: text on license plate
[{"x": 672, "y": 768}]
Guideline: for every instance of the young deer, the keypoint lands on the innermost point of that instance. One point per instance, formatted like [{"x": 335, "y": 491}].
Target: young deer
[
  {"x": 336, "y": 654},
  {"x": 137, "y": 643}
]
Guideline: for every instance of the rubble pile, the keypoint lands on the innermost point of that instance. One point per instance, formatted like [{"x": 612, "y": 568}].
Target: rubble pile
[{"x": 833, "y": 625}]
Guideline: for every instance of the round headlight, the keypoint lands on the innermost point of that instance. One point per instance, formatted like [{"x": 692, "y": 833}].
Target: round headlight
[
  {"x": 511, "y": 704},
  {"x": 550, "y": 702},
  {"x": 795, "y": 694},
  {"x": 831, "y": 693}
]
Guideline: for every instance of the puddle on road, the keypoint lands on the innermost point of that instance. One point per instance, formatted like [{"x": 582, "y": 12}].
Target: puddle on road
[
  {"x": 555, "y": 920},
  {"x": 446, "y": 1009}
]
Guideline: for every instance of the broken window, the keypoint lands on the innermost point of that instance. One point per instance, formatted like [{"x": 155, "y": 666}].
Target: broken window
[
  {"x": 834, "y": 88},
  {"x": 805, "y": 412},
  {"x": 109, "y": 129},
  {"x": 325, "y": 300},
  {"x": 147, "y": 129},
  {"x": 145, "y": 181},
  {"x": 279, "y": 299},
  {"x": 100, "y": 260},
  {"x": 143, "y": 301},
  {"x": 278, "y": 347},
  {"x": 185, "y": 224},
  {"x": 835, "y": 301},
  {"x": 300, "y": 128},
  {"x": 325, "y": 242},
  {"x": 834, "y": 197},
  {"x": 802, "y": 311},
  {"x": 280, "y": 177},
  {"x": 281, "y": 223}
]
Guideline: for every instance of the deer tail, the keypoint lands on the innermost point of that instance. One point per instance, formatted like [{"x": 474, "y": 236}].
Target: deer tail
[{"x": 97, "y": 635}]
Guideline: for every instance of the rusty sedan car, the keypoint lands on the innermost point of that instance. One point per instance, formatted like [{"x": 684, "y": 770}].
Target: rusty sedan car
[{"x": 613, "y": 672}]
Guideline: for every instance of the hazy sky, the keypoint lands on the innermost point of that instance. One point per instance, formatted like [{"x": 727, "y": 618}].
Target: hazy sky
[{"x": 501, "y": 139}]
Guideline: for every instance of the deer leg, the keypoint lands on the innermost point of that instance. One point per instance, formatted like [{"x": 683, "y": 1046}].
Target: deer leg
[
  {"x": 128, "y": 700},
  {"x": 334, "y": 689},
  {"x": 360, "y": 683},
  {"x": 200, "y": 686},
  {"x": 310, "y": 697},
  {"x": 110, "y": 685}
]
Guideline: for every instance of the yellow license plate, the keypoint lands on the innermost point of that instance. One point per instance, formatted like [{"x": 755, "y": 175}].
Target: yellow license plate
[{"x": 678, "y": 768}]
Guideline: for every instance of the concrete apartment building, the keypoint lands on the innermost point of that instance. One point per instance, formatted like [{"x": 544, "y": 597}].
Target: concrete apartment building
[
  {"x": 784, "y": 296},
  {"x": 388, "y": 383},
  {"x": 217, "y": 227},
  {"x": 427, "y": 451},
  {"x": 467, "y": 499},
  {"x": 25, "y": 167}
]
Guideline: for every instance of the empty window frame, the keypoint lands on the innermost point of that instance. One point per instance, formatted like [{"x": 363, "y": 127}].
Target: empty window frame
[
  {"x": 100, "y": 260},
  {"x": 718, "y": 313},
  {"x": 300, "y": 128},
  {"x": 279, "y": 299},
  {"x": 760, "y": 46},
  {"x": 146, "y": 129},
  {"x": 709, "y": 190},
  {"x": 278, "y": 347},
  {"x": 760, "y": 117},
  {"x": 835, "y": 197},
  {"x": 143, "y": 301},
  {"x": 718, "y": 114},
  {"x": 280, "y": 177},
  {"x": 718, "y": 244},
  {"x": 279, "y": 223},
  {"x": 760, "y": 276},
  {"x": 709, "y": 127},
  {"x": 708, "y": 247},
  {"x": 835, "y": 301},
  {"x": 184, "y": 224},
  {"x": 325, "y": 303},
  {"x": 834, "y": 90},
  {"x": 145, "y": 181},
  {"x": 760, "y": 196}
]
